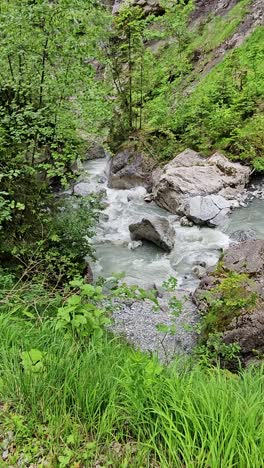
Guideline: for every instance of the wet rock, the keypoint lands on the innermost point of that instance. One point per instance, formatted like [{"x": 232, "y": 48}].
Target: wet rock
[
  {"x": 198, "y": 271},
  {"x": 95, "y": 151},
  {"x": 104, "y": 217},
  {"x": 210, "y": 210},
  {"x": 185, "y": 222},
  {"x": 149, "y": 198},
  {"x": 102, "y": 180},
  {"x": 242, "y": 236},
  {"x": 88, "y": 274},
  {"x": 156, "y": 230},
  {"x": 129, "y": 168},
  {"x": 200, "y": 263},
  {"x": 197, "y": 187}
]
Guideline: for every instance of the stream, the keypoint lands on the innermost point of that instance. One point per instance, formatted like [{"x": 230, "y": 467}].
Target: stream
[
  {"x": 149, "y": 267},
  {"x": 146, "y": 265}
]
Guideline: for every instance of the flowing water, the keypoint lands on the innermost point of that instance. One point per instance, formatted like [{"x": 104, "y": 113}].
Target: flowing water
[
  {"x": 250, "y": 217},
  {"x": 146, "y": 265}
]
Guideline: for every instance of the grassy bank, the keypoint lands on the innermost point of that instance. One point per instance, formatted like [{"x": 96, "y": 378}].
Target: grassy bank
[{"x": 86, "y": 404}]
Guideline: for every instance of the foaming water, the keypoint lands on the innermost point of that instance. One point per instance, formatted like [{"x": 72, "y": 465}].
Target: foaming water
[{"x": 146, "y": 265}]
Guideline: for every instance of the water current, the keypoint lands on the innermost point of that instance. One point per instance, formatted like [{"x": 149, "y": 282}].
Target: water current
[{"x": 146, "y": 265}]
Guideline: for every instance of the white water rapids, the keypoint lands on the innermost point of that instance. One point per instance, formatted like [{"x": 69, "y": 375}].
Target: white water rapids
[{"x": 145, "y": 265}]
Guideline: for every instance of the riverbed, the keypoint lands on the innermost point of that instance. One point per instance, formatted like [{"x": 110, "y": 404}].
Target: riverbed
[{"x": 147, "y": 265}]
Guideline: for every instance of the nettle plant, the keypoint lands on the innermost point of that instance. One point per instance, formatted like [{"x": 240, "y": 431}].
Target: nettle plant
[{"x": 82, "y": 315}]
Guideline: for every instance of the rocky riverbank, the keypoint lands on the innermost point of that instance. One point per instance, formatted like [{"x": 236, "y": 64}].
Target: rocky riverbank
[{"x": 150, "y": 244}]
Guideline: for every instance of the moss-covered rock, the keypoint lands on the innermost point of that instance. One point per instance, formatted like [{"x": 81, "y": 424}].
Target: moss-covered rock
[{"x": 231, "y": 299}]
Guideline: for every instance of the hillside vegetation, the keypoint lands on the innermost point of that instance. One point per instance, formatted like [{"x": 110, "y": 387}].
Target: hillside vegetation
[{"x": 194, "y": 96}]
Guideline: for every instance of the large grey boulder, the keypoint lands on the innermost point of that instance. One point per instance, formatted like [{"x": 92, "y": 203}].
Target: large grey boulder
[
  {"x": 129, "y": 168},
  {"x": 156, "y": 230},
  {"x": 210, "y": 210},
  {"x": 246, "y": 257},
  {"x": 184, "y": 185}
]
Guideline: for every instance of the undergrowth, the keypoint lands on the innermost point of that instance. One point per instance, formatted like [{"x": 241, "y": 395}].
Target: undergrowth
[{"x": 73, "y": 397}]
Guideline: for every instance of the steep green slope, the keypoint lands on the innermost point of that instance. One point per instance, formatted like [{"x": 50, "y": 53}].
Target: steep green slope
[
  {"x": 224, "y": 110},
  {"x": 201, "y": 82}
]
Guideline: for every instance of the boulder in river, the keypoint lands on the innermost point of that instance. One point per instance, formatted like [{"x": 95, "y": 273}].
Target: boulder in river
[
  {"x": 210, "y": 210},
  {"x": 95, "y": 151},
  {"x": 156, "y": 230},
  {"x": 191, "y": 176},
  {"x": 130, "y": 167}
]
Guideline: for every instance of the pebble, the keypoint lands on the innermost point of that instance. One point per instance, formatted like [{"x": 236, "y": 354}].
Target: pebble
[{"x": 137, "y": 322}]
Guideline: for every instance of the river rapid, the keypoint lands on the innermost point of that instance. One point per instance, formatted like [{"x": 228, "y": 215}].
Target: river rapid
[{"x": 146, "y": 265}]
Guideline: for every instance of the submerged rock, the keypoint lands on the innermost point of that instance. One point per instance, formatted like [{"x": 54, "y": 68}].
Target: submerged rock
[
  {"x": 185, "y": 222},
  {"x": 189, "y": 184},
  {"x": 156, "y": 230},
  {"x": 198, "y": 271},
  {"x": 242, "y": 236}
]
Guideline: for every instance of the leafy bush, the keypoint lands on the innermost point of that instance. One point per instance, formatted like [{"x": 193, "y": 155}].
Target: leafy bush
[
  {"x": 82, "y": 315},
  {"x": 229, "y": 299}
]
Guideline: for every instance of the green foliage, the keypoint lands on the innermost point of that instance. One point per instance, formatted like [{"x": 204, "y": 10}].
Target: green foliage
[
  {"x": 222, "y": 111},
  {"x": 214, "y": 29},
  {"x": 234, "y": 295},
  {"x": 106, "y": 402},
  {"x": 32, "y": 361},
  {"x": 56, "y": 244},
  {"x": 81, "y": 314},
  {"x": 215, "y": 351},
  {"x": 49, "y": 93},
  {"x": 134, "y": 67}
]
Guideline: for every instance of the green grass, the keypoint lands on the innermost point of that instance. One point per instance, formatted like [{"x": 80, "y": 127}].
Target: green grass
[
  {"x": 114, "y": 406},
  {"x": 217, "y": 29}
]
